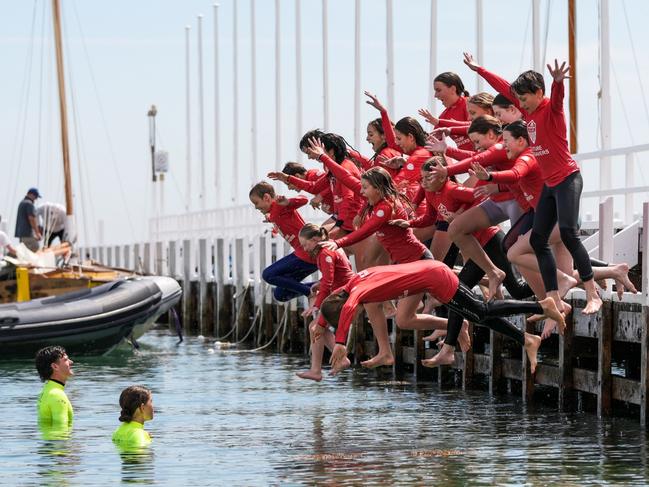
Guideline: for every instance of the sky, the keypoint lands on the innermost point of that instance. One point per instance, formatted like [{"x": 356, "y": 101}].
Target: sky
[{"x": 123, "y": 56}]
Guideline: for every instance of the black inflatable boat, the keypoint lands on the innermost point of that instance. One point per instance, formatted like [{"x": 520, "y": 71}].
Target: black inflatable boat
[{"x": 88, "y": 321}]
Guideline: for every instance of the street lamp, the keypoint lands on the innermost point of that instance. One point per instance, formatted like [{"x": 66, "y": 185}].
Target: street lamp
[{"x": 151, "y": 114}]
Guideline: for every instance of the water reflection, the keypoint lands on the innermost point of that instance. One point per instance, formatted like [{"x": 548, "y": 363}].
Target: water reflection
[
  {"x": 137, "y": 465},
  {"x": 245, "y": 419},
  {"x": 58, "y": 458}
]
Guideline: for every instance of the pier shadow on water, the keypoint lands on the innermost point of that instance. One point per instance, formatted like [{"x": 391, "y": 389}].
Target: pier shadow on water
[{"x": 226, "y": 418}]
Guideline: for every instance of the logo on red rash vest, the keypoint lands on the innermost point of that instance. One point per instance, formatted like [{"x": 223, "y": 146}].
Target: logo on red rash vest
[
  {"x": 443, "y": 211},
  {"x": 531, "y": 131}
]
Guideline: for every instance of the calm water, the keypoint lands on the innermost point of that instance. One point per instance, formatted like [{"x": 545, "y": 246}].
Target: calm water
[{"x": 244, "y": 419}]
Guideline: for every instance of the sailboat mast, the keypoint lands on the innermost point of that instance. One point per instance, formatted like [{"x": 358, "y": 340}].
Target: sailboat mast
[
  {"x": 572, "y": 61},
  {"x": 56, "y": 17}
]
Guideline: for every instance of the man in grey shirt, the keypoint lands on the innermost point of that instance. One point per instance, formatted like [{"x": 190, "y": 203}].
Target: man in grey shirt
[{"x": 26, "y": 223}]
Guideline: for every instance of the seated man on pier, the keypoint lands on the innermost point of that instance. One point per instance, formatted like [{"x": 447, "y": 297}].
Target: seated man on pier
[{"x": 378, "y": 284}]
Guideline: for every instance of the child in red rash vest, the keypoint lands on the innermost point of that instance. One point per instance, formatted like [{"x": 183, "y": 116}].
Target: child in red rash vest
[
  {"x": 526, "y": 173},
  {"x": 336, "y": 272},
  {"x": 409, "y": 137},
  {"x": 560, "y": 198},
  {"x": 383, "y": 155},
  {"x": 288, "y": 272},
  {"x": 387, "y": 282}
]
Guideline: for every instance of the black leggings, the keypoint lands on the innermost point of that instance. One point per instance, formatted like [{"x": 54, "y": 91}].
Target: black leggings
[
  {"x": 471, "y": 274},
  {"x": 472, "y": 307},
  {"x": 559, "y": 203}
]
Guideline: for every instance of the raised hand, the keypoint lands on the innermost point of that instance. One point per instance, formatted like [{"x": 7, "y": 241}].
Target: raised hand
[
  {"x": 281, "y": 200},
  {"x": 433, "y": 144},
  {"x": 328, "y": 244},
  {"x": 470, "y": 62},
  {"x": 429, "y": 117},
  {"x": 559, "y": 73},
  {"x": 485, "y": 191},
  {"x": 316, "y": 201},
  {"x": 278, "y": 176},
  {"x": 394, "y": 162},
  {"x": 374, "y": 102},
  {"x": 315, "y": 149},
  {"x": 438, "y": 171},
  {"x": 400, "y": 223},
  {"x": 479, "y": 172}
]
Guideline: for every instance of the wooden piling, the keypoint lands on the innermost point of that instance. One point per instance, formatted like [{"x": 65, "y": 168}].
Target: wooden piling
[{"x": 604, "y": 349}]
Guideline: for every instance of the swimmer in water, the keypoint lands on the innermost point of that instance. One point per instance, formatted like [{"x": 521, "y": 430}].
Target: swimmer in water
[
  {"x": 54, "y": 368},
  {"x": 137, "y": 407}
]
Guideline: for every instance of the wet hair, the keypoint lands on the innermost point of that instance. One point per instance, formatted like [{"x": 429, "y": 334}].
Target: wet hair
[
  {"x": 452, "y": 79},
  {"x": 336, "y": 143},
  {"x": 485, "y": 123},
  {"x": 262, "y": 188},
  {"x": 502, "y": 101},
  {"x": 483, "y": 99},
  {"x": 518, "y": 129},
  {"x": 293, "y": 168},
  {"x": 380, "y": 179},
  {"x": 130, "y": 399},
  {"x": 410, "y": 126},
  {"x": 311, "y": 134},
  {"x": 311, "y": 230},
  {"x": 333, "y": 306},
  {"x": 528, "y": 82},
  {"x": 45, "y": 357}
]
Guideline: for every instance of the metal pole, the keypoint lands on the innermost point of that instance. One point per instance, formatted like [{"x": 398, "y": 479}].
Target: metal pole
[
  {"x": 479, "y": 38},
  {"x": 325, "y": 65},
  {"x": 390, "y": 55},
  {"x": 235, "y": 111},
  {"x": 536, "y": 36},
  {"x": 572, "y": 60},
  {"x": 298, "y": 74},
  {"x": 278, "y": 90},
  {"x": 605, "y": 173},
  {"x": 188, "y": 125},
  {"x": 201, "y": 112},
  {"x": 217, "y": 110},
  {"x": 357, "y": 75},
  {"x": 432, "y": 53},
  {"x": 253, "y": 92}
]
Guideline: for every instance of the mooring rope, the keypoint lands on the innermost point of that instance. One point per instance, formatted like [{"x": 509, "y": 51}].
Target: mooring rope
[
  {"x": 243, "y": 292},
  {"x": 280, "y": 328}
]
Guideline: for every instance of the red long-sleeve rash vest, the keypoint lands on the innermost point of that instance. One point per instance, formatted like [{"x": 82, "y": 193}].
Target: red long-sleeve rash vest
[
  {"x": 378, "y": 284},
  {"x": 289, "y": 223},
  {"x": 546, "y": 127}
]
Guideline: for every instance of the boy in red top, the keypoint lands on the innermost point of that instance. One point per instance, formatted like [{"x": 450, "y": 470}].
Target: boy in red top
[
  {"x": 378, "y": 284},
  {"x": 323, "y": 200},
  {"x": 288, "y": 272},
  {"x": 559, "y": 200}
]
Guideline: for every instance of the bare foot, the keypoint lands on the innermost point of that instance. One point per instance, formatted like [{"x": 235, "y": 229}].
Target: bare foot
[
  {"x": 566, "y": 283},
  {"x": 485, "y": 292},
  {"x": 388, "y": 309},
  {"x": 593, "y": 304},
  {"x": 445, "y": 356},
  {"x": 311, "y": 375},
  {"x": 548, "y": 328},
  {"x": 464, "y": 339},
  {"x": 434, "y": 335},
  {"x": 344, "y": 364},
  {"x": 532, "y": 344},
  {"x": 379, "y": 360},
  {"x": 622, "y": 281},
  {"x": 495, "y": 280},
  {"x": 551, "y": 311}
]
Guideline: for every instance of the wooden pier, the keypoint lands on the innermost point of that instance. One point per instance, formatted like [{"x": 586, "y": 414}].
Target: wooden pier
[{"x": 600, "y": 365}]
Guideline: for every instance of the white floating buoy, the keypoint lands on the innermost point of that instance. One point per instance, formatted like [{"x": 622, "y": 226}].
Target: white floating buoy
[
  {"x": 200, "y": 338},
  {"x": 222, "y": 344},
  {"x": 210, "y": 350}
]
